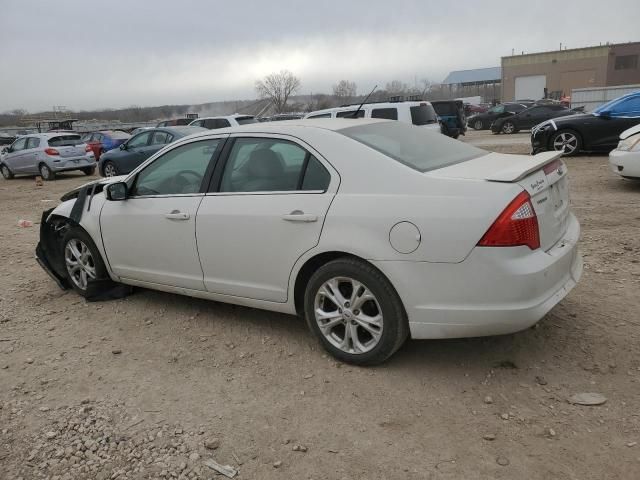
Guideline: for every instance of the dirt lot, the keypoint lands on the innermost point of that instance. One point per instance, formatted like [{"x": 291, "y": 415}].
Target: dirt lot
[{"x": 134, "y": 388}]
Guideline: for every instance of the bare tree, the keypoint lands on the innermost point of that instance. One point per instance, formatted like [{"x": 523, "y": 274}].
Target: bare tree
[
  {"x": 396, "y": 87},
  {"x": 278, "y": 87},
  {"x": 345, "y": 90}
]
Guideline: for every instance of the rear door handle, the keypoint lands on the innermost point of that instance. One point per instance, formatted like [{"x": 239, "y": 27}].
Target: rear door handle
[
  {"x": 177, "y": 215},
  {"x": 300, "y": 216}
]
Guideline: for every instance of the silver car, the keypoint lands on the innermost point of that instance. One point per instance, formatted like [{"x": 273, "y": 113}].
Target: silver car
[{"x": 46, "y": 154}]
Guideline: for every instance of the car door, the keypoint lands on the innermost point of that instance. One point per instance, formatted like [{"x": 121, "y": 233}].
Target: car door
[
  {"x": 14, "y": 158},
  {"x": 30, "y": 155},
  {"x": 134, "y": 152},
  {"x": 150, "y": 236},
  {"x": 531, "y": 116},
  {"x": 266, "y": 207}
]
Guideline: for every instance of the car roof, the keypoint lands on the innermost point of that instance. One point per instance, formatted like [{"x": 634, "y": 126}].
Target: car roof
[
  {"x": 235, "y": 115},
  {"x": 349, "y": 108}
]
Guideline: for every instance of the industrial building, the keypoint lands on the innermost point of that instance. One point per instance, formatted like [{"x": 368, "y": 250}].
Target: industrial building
[
  {"x": 483, "y": 82},
  {"x": 554, "y": 74}
]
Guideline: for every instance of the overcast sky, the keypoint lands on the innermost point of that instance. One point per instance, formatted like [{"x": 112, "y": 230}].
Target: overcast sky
[{"x": 88, "y": 54}]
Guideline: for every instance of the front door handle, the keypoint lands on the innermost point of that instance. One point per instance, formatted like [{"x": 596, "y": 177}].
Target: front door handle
[
  {"x": 177, "y": 215},
  {"x": 300, "y": 216}
]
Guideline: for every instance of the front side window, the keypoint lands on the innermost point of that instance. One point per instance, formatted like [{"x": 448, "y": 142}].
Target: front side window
[
  {"x": 139, "y": 140},
  {"x": 388, "y": 113},
  {"x": 161, "y": 138},
  {"x": 321, "y": 115},
  {"x": 414, "y": 147},
  {"x": 19, "y": 144},
  {"x": 497, "y": 109},
  {"x": 272, "y": 165},
  {"x": 349, "y": 114},
  {"x": 199, "y": 123},
  {"x": 178, "y": 172},
  {"x": 222, "y": 123}
]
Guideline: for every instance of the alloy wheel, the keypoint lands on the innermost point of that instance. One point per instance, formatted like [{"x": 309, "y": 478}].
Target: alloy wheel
[
  {"x": 478, "y": 125},
  {"x": 110, "y": 170},
  {"x": 45, "y": 172},
  {"x": 508, "y": 128},
  {"x": 565, "y": 142},
  {"x": 79, "y": 262},
  {"x": 6, "y": 173},
  {"x": 348, "y": 315}
]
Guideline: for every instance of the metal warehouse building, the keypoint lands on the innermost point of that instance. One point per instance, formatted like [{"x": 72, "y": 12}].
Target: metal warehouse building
[
  {"x": 484, "y": 82},
  {"x": 532, "y": 75}
]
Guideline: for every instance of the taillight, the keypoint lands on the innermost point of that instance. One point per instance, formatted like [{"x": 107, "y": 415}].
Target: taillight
[
  {"x": 51, "y": 151},
  {"x": 516, "y": 225},
  {"x": 87, "y": 148}
]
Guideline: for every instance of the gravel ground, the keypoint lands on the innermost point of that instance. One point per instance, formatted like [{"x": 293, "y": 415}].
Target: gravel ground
[{"x": 154, "y": 385}]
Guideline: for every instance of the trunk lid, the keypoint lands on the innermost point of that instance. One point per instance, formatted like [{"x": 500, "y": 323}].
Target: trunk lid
[{"x": 543, "y": 176}]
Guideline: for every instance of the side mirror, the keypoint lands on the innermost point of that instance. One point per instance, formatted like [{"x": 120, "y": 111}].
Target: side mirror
[
  {"x": 123, "y": 146},
  {"x": 116, "y": 191},
  {"x": 605, "y": 114}
]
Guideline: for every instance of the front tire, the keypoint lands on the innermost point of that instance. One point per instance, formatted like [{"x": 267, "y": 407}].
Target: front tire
[
  {"x": 6, "y": 173},
  {"x": 509, "y": 127},
  {"x": 478, "y": 125},
  {"x": 82, "y": 260},
  {"x": 46, "y": 173},
  {"x": 110, "y": 169},
  {"x": 355, "y": 312},
  {"x": 566, "y": 141},
  {"x": 88, "y": 171}
]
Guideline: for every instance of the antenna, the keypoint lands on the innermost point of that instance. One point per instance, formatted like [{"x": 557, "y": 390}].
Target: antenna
[{"x": 355, "y": 114}]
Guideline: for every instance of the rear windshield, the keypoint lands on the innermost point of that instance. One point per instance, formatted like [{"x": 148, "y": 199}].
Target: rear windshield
[
  {"x": 423, "y": 115},
  {"x": 65, "y": 141},
  {"x": 245, "y": 120},
  {"x": 417, "y": 148},
  {"x": 445, "y": 108}
]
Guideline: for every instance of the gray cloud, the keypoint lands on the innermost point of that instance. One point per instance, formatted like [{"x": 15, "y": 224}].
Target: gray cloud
[{"x": 92, "y": 54}]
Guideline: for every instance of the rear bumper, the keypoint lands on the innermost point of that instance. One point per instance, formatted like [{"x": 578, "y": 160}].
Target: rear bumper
[
  {"x": 73, "y": 163},
  {"x": 494, "y": 291},
  {"x": 625, "y": 164}
]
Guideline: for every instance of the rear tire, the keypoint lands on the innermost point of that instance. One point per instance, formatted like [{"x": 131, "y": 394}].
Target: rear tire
[
  {"x": 6, "y": 173},
  {"x": 82, "y": 260},
  {"x": 46, "y": 173},
  {"x": 509, "y": 127},
  {"x": 370, "y": 323},
  {"x": 478, "y": 125},
  {"x": 88, "y": 171}
]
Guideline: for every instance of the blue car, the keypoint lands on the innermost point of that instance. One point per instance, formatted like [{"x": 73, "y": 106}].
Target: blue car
[
  {"x": 598, "y": 131},
  {"x": 130, "y": 154},
  {"x": 104, "y": 140}
]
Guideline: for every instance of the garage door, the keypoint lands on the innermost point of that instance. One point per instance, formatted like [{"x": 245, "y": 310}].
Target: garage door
[{"x": 530, "y": 87}]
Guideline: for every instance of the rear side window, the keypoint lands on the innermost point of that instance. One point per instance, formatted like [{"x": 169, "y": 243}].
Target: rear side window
[
  {"x": 321, "y": 115},
  {"x": 316, "y": 177},
  {"x": 423, "y": 115},
  {"x": 119, "y": 135},
  {"x": 33, "y": 142},
  {"x": 65, "y": 141},
  {"x": 419, "y": 149},
  {"x": 160, "y": 138},
  {"x": 245, "y": 120},
  {"x": 388, "y": 113},
  {"x": 445, "y": 108},
  {"x": 350, "y": 113}
]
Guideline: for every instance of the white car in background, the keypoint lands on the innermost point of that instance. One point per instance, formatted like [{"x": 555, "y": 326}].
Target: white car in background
[
  {"x": 213, "y": 123},
  {"x": 420, "y": 113},
  {"x": 625, "y": 159},
  {"x": 372, "y": 230}
]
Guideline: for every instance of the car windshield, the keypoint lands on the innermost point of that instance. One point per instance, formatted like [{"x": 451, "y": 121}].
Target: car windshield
[
  {"x": 423, "y": 114},
  {"x": 419, "y": 149},
  {"x": 65, "y": 141},
  {"x": 245, "y": 120},
  {"x": 609, "y": 105},
  {"x": 445, "y": 108}
]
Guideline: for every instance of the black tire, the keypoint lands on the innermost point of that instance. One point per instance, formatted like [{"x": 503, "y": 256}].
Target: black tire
[
  {"x": 6, "y": 173},
  {"x": 395, "y": 327},
  {"x": 478, "y": 125},
  {"x": 509, "y": 127},
  {"x": 576, "y": 145},
  {"x": 109, "y": 166},
  {"x": 77, "y": 233},
  {"x": 46, "y": 173},
  {"x": 88, "y": 171}
]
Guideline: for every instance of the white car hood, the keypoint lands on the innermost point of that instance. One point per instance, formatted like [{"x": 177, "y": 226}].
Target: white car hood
[{"x": 630, "y": 131}]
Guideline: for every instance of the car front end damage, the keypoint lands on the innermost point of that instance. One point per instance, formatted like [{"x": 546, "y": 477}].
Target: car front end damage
[{"x": 541, "y": 136}]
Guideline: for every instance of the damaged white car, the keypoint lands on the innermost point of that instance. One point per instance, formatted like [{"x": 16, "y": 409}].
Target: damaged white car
[{"x": 372, "y": 230}]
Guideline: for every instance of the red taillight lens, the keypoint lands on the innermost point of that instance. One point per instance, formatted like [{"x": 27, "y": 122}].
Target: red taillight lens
[
  {"x": 516, "y": 225},
  {"x": 87, "y": 148},
  {"x": 51, "y": 151}
]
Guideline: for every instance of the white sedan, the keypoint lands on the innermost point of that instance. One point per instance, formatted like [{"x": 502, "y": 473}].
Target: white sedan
[
  {"x": 625, "y": 159},
  {"x": 372, "y": 230}
]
